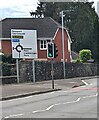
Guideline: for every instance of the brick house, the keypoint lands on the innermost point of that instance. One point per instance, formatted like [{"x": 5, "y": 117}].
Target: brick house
[{"x": 47, "y": 30}]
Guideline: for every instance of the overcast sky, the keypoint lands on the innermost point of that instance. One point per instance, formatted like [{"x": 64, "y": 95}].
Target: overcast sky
[{"x": 17, "y": 8}]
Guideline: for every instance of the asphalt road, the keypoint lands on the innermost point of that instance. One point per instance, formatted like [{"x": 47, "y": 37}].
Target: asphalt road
[{"x": 80, "y": 102}]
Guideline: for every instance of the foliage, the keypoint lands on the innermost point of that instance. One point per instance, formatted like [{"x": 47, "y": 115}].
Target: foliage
[
  {"x": 39, "y": 12},
  {"x": 7, "y": 59},
  {"x": 79, "y": 60},
  {"x": 8, "y": 66},
  {"x": 85, "y": 55},
  {"x": 6, "y": 70},
  {"x": 81, "y": 21}
]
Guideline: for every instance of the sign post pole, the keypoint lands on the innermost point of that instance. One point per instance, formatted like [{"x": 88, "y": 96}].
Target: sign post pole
[
  {"x": 17, "y": 67},
  {"x": 33, "y": 64},
  {"x": 52, "y": 73},
  {"x": 24, "y": 45}
]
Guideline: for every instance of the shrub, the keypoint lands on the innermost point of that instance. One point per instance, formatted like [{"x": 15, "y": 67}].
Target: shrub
[
  {"x": 6, "y": 69},
  {"x": 85, "y": 55},
  {"x": 78, "y": 60},
  {"x": 7, "y": 59}
]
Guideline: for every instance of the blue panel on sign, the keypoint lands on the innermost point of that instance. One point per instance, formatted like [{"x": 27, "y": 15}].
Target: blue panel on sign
[{"x": 15, "y": 40}]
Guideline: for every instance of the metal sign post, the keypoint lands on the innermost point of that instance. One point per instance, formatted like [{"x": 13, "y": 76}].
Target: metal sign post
[
  {"x": 24, "y": 45},
  {"x": 52, "y": 73},
  {"x": 17, "y": 67},
  {"x": 33, "y": 63}
]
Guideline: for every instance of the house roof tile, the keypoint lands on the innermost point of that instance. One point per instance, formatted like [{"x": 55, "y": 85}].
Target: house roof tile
[{"x": 46, "y": 27}]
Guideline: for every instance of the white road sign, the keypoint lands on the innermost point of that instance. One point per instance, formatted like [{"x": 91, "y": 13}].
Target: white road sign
[{"x": 24, "y": 43}]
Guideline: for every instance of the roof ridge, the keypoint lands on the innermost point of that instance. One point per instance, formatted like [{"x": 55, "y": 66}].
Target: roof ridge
[
  {"x": 28, "y": 18},
  {"x": 55, "y": 21},
  {"x": 46, "y": 27}
]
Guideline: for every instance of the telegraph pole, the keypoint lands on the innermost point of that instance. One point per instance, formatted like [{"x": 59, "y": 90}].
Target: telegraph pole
[
  {"x": 63, "y": 54},
  {"x": 63, "y": 45}
]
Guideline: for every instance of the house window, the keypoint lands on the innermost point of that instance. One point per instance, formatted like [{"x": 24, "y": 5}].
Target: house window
[{"x": 42, "y": 44}]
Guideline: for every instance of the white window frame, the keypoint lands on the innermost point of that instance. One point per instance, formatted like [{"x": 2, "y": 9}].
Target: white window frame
[{"x": 44, "y": 43}]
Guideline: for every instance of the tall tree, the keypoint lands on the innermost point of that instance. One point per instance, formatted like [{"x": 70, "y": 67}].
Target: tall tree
[
  {"x": 81, "y": 21},
  {"x": 39, "y": 13}
]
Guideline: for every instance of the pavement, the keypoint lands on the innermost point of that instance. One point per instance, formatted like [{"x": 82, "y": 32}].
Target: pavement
[{"x": 12, "y": 91}]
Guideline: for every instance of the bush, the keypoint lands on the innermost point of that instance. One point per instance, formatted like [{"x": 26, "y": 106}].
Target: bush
[
  {"x": 6, "y": 69},
  {"x": 78, "y": 60},
  {"x": 7, "y": 59},
  {"x": 85, "y": 55}
]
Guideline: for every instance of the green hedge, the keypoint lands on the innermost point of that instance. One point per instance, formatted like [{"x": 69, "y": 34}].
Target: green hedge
[
  {"x": 84, "y": 55},
  {"x": 7, "y": 59},
  {"x": 8, "y": 69}
]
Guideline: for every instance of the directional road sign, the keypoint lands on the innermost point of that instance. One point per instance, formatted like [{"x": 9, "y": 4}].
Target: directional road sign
[{"x": 24, "y": 43}]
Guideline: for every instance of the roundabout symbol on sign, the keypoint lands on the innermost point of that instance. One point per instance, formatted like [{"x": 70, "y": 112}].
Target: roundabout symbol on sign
[{"x": 18, "y": 48}]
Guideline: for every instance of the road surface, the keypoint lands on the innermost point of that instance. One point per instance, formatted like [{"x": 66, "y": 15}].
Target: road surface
[{"x": 80, "y": 102}]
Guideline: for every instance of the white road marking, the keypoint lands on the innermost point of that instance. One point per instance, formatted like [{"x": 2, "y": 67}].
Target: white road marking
[
  {"x": 85, "y": 82},
  {"x": 13, "y": 116},
  {"x": 36, "y": 111},
  {"x": 91, "y": 96},
  {"x": 51, "y": 106},
  {"x": 78, "y": 99},
  {"x": 48, "y": 93}
]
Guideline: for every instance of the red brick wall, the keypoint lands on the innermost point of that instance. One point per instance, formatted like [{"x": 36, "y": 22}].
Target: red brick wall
[
  {"x": 58, "y": 42},
  {"x": 6, "y": 47}
]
